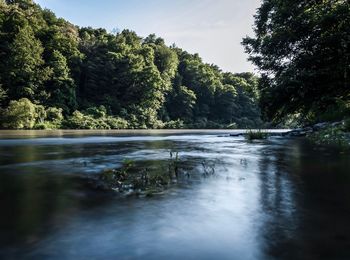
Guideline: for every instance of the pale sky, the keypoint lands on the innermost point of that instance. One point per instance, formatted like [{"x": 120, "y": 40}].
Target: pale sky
[{"x": 211, "y": 28}]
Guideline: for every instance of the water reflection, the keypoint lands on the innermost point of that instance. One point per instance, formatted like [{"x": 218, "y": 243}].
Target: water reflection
[{"x": 271, "y": 199}]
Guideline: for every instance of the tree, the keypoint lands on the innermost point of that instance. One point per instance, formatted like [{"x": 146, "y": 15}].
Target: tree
[
  {"x": 27, "y": 71},
  {"x": 117, "y": 80},
  {"x": 302, "y": 49},
  {"x": 180, "y": 104},
  {"x": 3, "y": 94},
  {"x": 61, "y": 87},
  {"x": 20, "y": 114}
]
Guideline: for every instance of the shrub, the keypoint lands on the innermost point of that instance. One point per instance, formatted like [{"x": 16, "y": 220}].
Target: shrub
[
  {"x": 175, "y": 124},
  {"x": 80, "y": 121},
  {"x": 20, "y": 114},
  {"x": 97, "y": 112},
  {"x": 117, "y": 123},
  {"x": 330, "y": 136},
  {"x": 54, "y": 114}
]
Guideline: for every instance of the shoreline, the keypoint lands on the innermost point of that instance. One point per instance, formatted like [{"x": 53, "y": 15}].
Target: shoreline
[{"x": 122, "y": 132}]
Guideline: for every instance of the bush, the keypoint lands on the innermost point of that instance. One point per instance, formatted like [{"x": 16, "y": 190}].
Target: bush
[
  {"x": 175, "y": 124},
  {"x": 54, "y": 114},
  {"x": 330, "y": 136},
  {"x": 79, "y": 120},
  {"x": 117, "y": 123},
  {"x": 97, "y": 112},
  {"x": 20, "y": 114}
]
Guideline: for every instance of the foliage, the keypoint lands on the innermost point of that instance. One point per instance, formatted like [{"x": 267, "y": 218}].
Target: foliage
[
  {"x": 131, "y": 179},
  {"x": 331, "y": 136},
  {"x": 175, "y": 124},
  {"x": 256, "y": 135},
  {"x": 302, "y": 49},
  {"x": 98, "y": 80},
  {"x": 79, "y": 120},
  {"x": 21, "y": 114},
  {"x": 347, "y": 125},
  {"x": 54, "y": 114},
  {"x": 3, "y": 94}
]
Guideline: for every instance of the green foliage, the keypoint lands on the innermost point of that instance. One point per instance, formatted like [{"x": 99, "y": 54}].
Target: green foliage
[
  {"x": 55, "y": 118},
  {"x": 116, "y": 123},
  {"x": 302, "y": 49},
  {"x": 21, "y": 114},
  {"x": 54, "y": 114},
  {"x": 116, "y": 80},
  {"x": 3, "y": 94},
  {"x": 335, "y": 112},
  {"x": 180, "y": 103},
  {"x": 331, "y": 136},
  {"x": 256, "y": 135},
  {"x": 97, "y": 112},
  {"x": 79, "y": 120},
  {"x": 175, "y": 124},
  {"x": 27, "y": 72},
  {"x": 347, "y": 125},
  {"x": 61, "y": 86}
]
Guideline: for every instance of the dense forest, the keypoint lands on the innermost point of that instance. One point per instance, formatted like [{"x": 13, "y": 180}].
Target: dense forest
[
  {"x": 54, "y": 74},
  {"x": 302, "y": 49}
]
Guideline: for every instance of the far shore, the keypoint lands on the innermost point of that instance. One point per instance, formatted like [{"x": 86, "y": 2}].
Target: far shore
[{"x": 123, "y": 132}]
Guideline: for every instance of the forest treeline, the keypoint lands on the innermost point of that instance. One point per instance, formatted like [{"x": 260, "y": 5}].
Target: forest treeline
[{"x": 54, "y": 74}]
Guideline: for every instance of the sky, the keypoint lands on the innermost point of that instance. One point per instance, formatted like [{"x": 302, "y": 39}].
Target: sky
[{"x": 212, "y": 28}]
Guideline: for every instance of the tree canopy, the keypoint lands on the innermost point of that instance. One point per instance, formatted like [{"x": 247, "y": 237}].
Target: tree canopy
[
  {"x": 128, "y": 81},
  {"x": 302, "y": 50}
]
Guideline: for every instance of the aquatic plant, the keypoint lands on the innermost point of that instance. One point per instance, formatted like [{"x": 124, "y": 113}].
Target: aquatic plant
[
  {"x": 256, "y": 134},
  {"x": 174, "y": 164},
  {"x": 208, "y": 168},
  {"x": 137, "y": 179},
  {"x": 133, "y": 179}
]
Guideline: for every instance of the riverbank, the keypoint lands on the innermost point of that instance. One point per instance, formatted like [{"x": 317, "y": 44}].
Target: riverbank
[
  {"x": 326, "y": 133},
  {"x": 133, "y": 132}
]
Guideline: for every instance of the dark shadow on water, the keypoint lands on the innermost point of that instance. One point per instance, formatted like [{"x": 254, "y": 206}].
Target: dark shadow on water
[
  {"x": 279, "y": 198},
  {"x": 305, "y": 194}
]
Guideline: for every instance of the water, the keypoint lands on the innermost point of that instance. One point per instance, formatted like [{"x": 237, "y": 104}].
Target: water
[{"x": 275, "y": 199}]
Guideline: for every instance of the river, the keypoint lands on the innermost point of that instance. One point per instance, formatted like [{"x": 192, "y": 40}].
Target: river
[{"x": 280, "y": 198}]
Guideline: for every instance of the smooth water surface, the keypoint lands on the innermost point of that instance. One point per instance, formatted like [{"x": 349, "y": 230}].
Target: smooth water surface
[{"x": 275, "y": 199}]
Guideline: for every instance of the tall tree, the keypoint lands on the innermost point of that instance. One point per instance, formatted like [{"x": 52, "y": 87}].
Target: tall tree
[
  {"x": 302, "y": 49},
  {"x": 61, "y": 87},
  {"x": 27, "y": 72}
]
